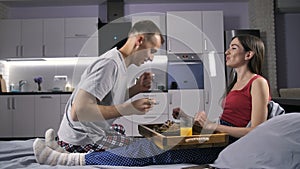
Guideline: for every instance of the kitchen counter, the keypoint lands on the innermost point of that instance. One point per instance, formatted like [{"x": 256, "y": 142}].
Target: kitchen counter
[{"x": 34, "y": 93}]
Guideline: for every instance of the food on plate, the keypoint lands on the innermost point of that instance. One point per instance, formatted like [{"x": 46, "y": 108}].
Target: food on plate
[{"x": 168, "y": 126}]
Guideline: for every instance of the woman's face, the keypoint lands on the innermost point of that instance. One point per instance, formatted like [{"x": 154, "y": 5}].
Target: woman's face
[{"x": 235, "y": 54}]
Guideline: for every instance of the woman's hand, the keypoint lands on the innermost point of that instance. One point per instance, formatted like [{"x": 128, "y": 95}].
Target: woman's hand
[
  {"x": 177, "y": 113},
  {"x": 201, "y": 118}
]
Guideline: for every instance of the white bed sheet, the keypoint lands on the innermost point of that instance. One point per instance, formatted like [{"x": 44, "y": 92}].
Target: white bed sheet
[{"x": 19, "y": 154}]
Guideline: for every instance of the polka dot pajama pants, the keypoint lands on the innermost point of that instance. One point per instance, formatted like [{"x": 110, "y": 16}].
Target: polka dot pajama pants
[{"x": 144, "y": 152}]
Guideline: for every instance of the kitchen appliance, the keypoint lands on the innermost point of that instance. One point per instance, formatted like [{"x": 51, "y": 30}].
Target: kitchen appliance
[
  {"x": 59, "y": 82},
  {"x": 185, "y": 72},
  {"x": 185, "y": 83},
  {"x": 113, "y": 34},
  {"x": 229, "y": 34}
]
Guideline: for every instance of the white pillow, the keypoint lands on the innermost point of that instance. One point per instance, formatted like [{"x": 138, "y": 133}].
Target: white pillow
[{"x": 273, "y": 144}]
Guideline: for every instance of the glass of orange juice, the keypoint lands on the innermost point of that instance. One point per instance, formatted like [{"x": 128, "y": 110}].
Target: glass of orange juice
[{"x": 186, "y": 126}]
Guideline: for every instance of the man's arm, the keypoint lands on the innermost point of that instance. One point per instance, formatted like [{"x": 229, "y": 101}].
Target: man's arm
[{"x": 85, "y": 108}]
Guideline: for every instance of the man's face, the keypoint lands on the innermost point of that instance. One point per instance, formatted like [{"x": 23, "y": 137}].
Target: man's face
[{"x": 146, "y": 50}]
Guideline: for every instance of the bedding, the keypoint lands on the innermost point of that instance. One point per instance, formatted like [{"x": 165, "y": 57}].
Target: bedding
[
  {"x": 19, "y": 154},
  {"x": 273, "y": 144}
]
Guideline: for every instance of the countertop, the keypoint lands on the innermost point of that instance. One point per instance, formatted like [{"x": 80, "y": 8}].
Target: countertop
[{"x": 34, "y": 93}]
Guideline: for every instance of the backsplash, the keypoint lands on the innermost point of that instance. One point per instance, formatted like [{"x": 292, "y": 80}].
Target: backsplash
[{"x": 26, "y": 70}]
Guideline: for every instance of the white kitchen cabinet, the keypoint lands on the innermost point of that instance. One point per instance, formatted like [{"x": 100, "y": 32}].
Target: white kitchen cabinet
[
  {"x": 184, "y": 32},
  {"x": 195, "y": 31},
  {"x": 81, "y": 37},
  {"x": 17, "y": 116},
  {"x": 32, "y": 38},
  {"x": 190, "y": 101},
  {"x": 213, "y": 31},
  {"x": 6, "y": 116},
  {"x": 23, "y": 115},
  {"x": 10, "y": 33},
  {"x": 53, "y": 37},
  {"x": 63, "y": 102},
  {"x": 81, "y": 27},
  {"x": 30, "y": 115},
  {"x": 81, "y": 47},
  {"x": 47, "y": 113}
]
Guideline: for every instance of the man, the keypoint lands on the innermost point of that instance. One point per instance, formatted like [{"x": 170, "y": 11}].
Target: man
[{"x": 100, "y": 96}]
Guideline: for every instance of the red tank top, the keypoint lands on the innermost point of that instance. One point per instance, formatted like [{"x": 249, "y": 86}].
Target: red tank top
[{"x": 238, "y": 105}]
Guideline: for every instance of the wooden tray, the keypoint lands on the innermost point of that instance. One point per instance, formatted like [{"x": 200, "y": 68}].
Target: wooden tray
[{"x": 173, "y": 140}]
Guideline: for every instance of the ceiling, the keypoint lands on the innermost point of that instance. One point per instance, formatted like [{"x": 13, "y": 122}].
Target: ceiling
[
  {"x": 283, "y": 6},
  {"x": 40, "y": 3}
]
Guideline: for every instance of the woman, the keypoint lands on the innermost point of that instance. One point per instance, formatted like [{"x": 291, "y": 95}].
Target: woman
[
  {"x": 248, "y": 95},
  {"x": 246, "y": 100}
]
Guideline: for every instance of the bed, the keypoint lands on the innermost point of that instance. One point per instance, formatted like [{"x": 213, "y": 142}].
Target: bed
[
  {"x": 273, "y": 144},
  {"x": 19, "y": 154}
]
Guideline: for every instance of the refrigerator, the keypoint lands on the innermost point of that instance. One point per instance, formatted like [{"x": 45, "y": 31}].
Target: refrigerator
[{"x": 229, "y": 34}]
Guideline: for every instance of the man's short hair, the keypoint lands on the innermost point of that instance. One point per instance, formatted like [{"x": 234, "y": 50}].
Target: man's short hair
[{"x": 147, "y": 28}]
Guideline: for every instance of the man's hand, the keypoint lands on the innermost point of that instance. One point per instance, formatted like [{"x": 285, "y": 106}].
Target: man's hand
[{"x": 144, "y": 81}]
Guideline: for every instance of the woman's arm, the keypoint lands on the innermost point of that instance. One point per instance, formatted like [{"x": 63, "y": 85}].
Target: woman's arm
[{"x": 260, "y": 98}]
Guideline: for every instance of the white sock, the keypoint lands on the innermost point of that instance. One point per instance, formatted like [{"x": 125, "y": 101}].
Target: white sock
[
  {"x": 50, "y": 141},
  {"x": 45, "y": 155}
]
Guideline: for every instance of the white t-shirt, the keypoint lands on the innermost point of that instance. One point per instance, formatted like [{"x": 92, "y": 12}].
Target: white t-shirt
[{"x": 106, "y": 79}]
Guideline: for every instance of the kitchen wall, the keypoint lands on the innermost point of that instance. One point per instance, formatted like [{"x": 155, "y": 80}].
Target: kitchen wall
[{"x": 47, "y": 69}]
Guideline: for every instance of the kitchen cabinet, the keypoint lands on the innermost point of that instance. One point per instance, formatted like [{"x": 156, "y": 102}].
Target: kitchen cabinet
[
  {"x": 10, "y": 33},
  {"x": 190, "y": 101},
  {"x": 30, "y": 115},
  {"x": 194, "y": 31},
  {"x": 47, "y": 113},
  {"x": 184, "y": 32},
  {"x": 81, "y": 37},
  {"x": 63, "y": 102},
  {"x": 6, "y": 117},
  {"x": 213, "y": 31},
  {"x": 23, "y": 115},
  {"x": 53, "y": 37},
  {"x": 159, "y": 19},
  {"x": 32, "y": 38},
  {"x": 17, "y": 116},
  {"x": 81, "y": 47},
  {"x": 81, "y": 27}
]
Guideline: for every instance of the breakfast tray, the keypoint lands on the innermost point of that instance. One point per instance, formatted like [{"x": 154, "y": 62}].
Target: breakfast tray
[{"x": 173, "y": 140}]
